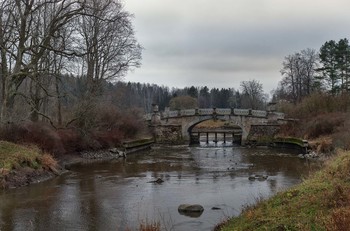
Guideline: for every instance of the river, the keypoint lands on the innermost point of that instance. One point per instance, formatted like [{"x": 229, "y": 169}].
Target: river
[{"x": 118, "y": 195}]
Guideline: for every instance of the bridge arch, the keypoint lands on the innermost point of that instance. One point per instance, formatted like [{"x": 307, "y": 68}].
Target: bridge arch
[
  {"x": 195, "y": 139},
  {"x": 191, "y": 122}
]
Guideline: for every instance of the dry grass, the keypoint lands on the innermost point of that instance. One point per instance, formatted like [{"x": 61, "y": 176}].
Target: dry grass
[
  {"x": 146, "y": 226},
  {"x": 150, "y": 227}
]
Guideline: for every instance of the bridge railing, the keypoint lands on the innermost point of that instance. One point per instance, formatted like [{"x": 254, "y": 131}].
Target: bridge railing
[
  {"x": 188, "y": 112},
  {"x": 259, "y": 113},
  {"x": 205, "y": 111},
  {"x": 242, "y": 112},
  {"x": 171, "y": 114},
  {"x": 223, "y": 111},
  {"x": 218, "y": 111}
]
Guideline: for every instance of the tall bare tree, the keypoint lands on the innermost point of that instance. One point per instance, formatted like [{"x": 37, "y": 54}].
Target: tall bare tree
[
  {"x": 253, "y": 95},
  {"x": 27, "y": 28},
  {"x": 299, "y": 75},
  {"x": 108, "y": 42}
]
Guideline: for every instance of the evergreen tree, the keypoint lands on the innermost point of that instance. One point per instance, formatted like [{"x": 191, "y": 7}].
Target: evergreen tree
[{"x": 328, "y": 59}]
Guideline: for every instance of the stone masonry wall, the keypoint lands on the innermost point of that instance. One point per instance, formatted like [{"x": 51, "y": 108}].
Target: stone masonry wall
[
  {"x": 262, "y": 134},
  {"x": 168, "y": 134}
]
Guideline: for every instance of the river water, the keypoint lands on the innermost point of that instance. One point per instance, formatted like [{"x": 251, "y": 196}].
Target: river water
[{"x": 118, "y": 195}]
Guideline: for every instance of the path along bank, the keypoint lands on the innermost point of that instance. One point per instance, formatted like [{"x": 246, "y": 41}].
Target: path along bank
[{"x": 321, "y": 202}]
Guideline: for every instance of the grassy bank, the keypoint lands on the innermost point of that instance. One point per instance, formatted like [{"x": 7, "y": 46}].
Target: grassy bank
[
  {"x": 18, "y": 164},
  {"x": 321, "y": 202}
]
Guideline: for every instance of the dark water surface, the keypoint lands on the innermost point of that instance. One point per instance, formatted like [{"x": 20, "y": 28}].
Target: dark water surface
[{"x": 116, "y": 195}]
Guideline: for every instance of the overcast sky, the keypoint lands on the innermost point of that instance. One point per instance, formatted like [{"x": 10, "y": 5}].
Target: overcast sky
[{"x": 223, "y": 42}]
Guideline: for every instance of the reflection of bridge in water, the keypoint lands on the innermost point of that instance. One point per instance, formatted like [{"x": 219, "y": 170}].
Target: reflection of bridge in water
[{"x": 179, "y": 126}]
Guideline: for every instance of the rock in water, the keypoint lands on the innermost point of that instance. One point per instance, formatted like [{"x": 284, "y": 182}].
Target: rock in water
[{"x": 191, "y": 208}]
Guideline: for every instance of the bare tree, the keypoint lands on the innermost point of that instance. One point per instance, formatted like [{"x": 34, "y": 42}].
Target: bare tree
[
  {"x": 27, "y": 30},
  {"x": 253, "y": 95},
  {"x": 107, "y": 39},
  {"x": 299, "y": 75}
]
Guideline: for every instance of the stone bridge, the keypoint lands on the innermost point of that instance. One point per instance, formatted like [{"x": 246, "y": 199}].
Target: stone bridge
[{"x": 176, "y": 126}]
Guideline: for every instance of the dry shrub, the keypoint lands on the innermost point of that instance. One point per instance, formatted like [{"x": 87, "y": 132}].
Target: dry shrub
[
  {"x": 324, "y": 124},
  {"x": 316, "y": 104},
  {"x": 45, "y": 137},
  {"x": 71, "y": 140},
  {"x": 341, "y": 137},
  {"x": 325, "y": 145},
  {"x": 340, "y": 219},
  {"x": 109, "y": 138},
  {"x": 47, "y": 161},
  {"x": 13, "y": 132},
  {"x": 41, "y": 134},
  {"x": 155, "y": 226},
  {"x": 132, "y": 123}
]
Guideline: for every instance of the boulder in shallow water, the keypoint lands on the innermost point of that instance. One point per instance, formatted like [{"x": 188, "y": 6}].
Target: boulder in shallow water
[{"x": 189, "y": 210}]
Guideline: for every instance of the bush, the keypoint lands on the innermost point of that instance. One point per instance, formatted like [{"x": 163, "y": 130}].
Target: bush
[
  {"x": 316, "y": 104},
  {"x": 40, "y": 134},
  {"x": 324, "y": 124},
  {"x": 102, "y": 127}
]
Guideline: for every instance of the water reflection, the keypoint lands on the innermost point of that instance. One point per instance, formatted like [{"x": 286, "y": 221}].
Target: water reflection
[{"x": 116, "y": 195}]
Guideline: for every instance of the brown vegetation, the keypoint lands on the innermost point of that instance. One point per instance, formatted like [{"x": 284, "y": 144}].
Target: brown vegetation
[
  {"x": 108, "y": 129},
  {"x": 323, "y": 119}
]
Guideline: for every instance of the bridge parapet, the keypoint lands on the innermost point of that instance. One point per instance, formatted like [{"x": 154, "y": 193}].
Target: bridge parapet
[
  {"x": 205, "y": 111},
  {"x": 258, "y": 113},
  {"x": 223, "y": 111},
  {"x": 217, "y": 111},
  {"x": 171, "y": 114},
  {"x": 188, "y": 112},
  {"x": 241, "y": 112}
]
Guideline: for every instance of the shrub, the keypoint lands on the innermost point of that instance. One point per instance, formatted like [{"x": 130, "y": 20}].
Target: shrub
[
  {"x": 324, "y": 124},
  {"x": 40, "y": 134},
  {"x": 316, "y": 104}
]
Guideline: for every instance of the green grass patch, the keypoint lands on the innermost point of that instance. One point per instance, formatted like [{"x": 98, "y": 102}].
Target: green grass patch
[
  {"x": 14, "y": 156},
  {"x": 322, "y": 202},
  {"x": 290, "y": 140}
]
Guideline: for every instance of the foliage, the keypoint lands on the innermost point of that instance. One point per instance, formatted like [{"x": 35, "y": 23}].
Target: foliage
[{"x": 321, "y": 202}]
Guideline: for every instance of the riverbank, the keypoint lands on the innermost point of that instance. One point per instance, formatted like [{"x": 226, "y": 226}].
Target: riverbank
[
  {"x": 22, "y": 165},
  {"x": 322, "y": 202}
]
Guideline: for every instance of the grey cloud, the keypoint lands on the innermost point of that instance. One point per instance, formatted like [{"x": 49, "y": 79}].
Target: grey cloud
[{"x": 192, "y": 41}]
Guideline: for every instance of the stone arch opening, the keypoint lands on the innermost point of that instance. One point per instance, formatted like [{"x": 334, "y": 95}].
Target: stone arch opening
[{"x": 209, "y": 130}]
